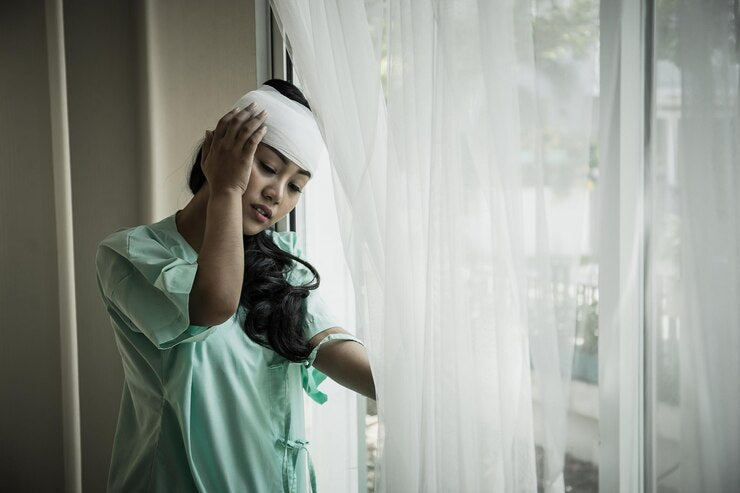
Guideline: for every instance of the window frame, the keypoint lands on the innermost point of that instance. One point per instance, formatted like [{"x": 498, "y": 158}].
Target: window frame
[
  {"x": 624, "y": 373},
  {"x": 273, "y": 61}
]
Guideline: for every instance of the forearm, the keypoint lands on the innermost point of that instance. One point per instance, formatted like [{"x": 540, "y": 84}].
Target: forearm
[
  {"x": 346, "y": 362},
  {"x": 220, "y": 274}
]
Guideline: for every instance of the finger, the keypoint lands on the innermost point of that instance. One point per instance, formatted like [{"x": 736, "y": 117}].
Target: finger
[
  {"x": 248, "y": 129},
  {"x": 250, "y": 147},
  {"x": 236, "y": 124},
  {"x": 206, "y": 148},
  {"x": 237, "y": 115},
  {"x": 223, "y": 123}
]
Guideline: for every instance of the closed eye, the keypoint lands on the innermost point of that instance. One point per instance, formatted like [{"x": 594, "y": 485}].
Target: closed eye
[
  {"x": 270, "y": 170},
  {"x": 267, "y": 168}
]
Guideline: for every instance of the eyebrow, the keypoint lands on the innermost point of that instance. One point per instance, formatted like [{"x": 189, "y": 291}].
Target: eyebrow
[{"x": 285, "y": 160}]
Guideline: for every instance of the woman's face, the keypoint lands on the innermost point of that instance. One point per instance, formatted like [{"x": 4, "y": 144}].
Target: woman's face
[{"x": 275, "y": 184}]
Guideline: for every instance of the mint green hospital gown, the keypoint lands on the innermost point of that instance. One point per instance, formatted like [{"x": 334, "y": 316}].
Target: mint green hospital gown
[{"x": 203, "y": 408}]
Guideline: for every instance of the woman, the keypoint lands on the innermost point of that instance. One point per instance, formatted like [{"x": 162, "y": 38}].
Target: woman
[{"x": 218, "y": 319}]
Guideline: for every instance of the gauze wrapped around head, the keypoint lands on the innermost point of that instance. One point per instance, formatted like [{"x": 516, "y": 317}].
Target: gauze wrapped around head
[{"x": 291, "y": 127}]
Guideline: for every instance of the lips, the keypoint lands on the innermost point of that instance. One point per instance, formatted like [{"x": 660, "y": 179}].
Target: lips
[{"x": 265, "y": 211}]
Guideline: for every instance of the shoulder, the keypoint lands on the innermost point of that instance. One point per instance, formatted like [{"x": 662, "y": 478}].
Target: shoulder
[
  {"x": 115, "y": 243},
  {"x": 127, "y": 242},
  {"x": 144, "y": 249},
  {"x": 159, "y": 239},
  {"x": 111, "y": 260}
]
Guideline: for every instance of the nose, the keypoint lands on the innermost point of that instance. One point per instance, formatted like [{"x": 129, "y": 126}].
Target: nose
[{"x": 273, "y": 194}]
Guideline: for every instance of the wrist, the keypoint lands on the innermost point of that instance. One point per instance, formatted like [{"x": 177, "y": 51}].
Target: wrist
[{"x": 225, "y": 191}]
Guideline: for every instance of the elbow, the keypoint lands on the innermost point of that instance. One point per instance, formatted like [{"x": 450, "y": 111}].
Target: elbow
[
  {"x": 372, "y": 393},
  {"x": 369, "y": 384},
  {"x": 209, "y": 314},
  {"x": 209, "y": 320},
  {"x": 224, "y": 314},
  {"x": 223, "y": 317},
  {"x": 224, "y": 308}
]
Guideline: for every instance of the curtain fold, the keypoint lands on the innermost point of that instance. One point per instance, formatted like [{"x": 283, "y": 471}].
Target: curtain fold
[
  {"x": 451, "y": 179},
  {"x": 696, "y": 225},
  {"x": 708, "y": 181}
]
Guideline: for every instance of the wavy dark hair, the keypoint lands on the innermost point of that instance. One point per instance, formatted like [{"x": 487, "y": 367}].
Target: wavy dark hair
[{"x": 275, "y": 310}]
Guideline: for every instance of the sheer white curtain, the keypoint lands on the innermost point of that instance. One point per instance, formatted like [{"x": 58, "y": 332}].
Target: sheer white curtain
[
  {"x": 435, "y": 115},
  {"x": 696, "y": 225},
  {"x": 336, "y": 441}
]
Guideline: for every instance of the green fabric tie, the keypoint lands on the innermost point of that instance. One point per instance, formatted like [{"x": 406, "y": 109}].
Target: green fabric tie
[
  {"x": 312, "y": 377},
  {"x": 295, "y": 447}
]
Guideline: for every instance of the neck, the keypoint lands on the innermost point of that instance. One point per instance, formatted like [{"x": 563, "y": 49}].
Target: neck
[{"x": 191, "y": 221}]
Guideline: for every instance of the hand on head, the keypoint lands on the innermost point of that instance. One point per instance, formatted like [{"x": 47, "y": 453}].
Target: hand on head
[{"x": 228, "y": 151}]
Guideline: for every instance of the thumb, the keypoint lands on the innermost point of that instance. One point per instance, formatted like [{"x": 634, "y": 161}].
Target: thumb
[{"x": 206, "y": 145}]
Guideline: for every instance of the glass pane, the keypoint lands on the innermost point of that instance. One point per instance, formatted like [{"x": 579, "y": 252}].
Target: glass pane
[
  {"x": 566, "y": 45},
  {"x": 693, "y": 280}
]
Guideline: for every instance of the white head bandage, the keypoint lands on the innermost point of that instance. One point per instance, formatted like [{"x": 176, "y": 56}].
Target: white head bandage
[{"x": 291, "y": 127}]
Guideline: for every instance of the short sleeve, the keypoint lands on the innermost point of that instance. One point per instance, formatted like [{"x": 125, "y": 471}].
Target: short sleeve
[
  {"x": 318, "y": 315},
  {"x": 312, "y": 377},
  {"x": 145, "y": 283}
]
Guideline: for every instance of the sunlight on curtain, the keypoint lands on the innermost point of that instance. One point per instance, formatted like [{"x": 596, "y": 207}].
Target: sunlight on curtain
[
  {"x": 695, "y": 279},
  {"x": 460, "y": 136}
]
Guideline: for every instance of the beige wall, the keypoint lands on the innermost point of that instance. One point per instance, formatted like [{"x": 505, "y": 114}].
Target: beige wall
[
  {"x": 201, "y": 60},
  {"x": 144, "y": 80},
  {"x": 105, "y": 147},
  {"x": 31, "y": 446}
]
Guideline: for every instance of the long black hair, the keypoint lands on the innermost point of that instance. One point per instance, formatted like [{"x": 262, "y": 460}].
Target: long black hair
[{"x": 275, "y": 310}]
